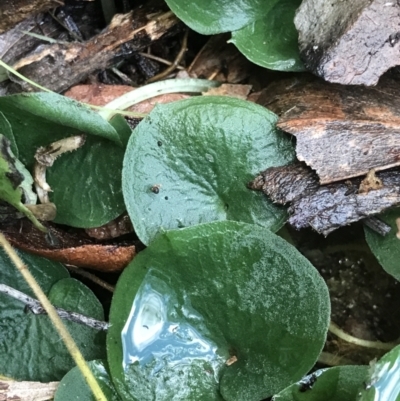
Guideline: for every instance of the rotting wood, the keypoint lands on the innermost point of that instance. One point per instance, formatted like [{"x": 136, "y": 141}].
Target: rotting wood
[
  {"x": 349, "y": 42},
  {"x": 326, "y": 208},
  {"x": 59, "y": 66},
  {"x": 341, "y": 131},
  {"x": 14, "y": 11}
]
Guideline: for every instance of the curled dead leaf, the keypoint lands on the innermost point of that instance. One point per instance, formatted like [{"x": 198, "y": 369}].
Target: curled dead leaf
[{"x": 74, "y": 249}]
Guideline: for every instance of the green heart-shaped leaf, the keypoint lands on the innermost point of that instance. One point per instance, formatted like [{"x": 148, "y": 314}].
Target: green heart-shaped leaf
[
  {"x": 272, "y": 40},
  {"x": 74, "y": 387},
  {"x": 189, "y": 162},
  {"x": 86, "y": 183},
  {"x": 341, "y": 383},
  {"x": 215, "y": 16},
  {"x": 30, "y": 348},
  {"x": 386, "y": 249},
  {"x": 224, "y": 310}
]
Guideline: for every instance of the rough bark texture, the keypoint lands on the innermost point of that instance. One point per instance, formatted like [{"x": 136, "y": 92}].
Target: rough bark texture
[
  {"x": 60, "y": 66},
  {"x": 341, "y": 132},
  {"x": 326, "y": 208},
  {"x": 349, "y": 42},
  {"x": 14, "y": 11}
]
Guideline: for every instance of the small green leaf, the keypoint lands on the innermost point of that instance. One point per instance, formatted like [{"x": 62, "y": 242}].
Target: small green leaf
[
  {"x": 86, "y": 184},
  {"x": 341, "y": 383},
  {"x": 30, "y": 348},
  {"x": 386, "y": 249},
  {"x": 272, "y": 40},
  {"x": 221, "y": 309},
  {"x": 383, "y": 383},
  {"x": 74, "y": 387},
  {"x": 189, "y": 162},
  {"x": 215, "y": 16}
]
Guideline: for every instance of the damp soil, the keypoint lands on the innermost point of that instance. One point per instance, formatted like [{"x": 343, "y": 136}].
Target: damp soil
[{"x": 364, "y": 298}]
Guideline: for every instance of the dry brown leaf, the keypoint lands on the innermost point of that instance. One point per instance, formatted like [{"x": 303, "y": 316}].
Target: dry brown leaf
[
  {"x": 233, "y": 90},
  {"x": 70, "y": 248},
  {"x": 99, "y": 95}
]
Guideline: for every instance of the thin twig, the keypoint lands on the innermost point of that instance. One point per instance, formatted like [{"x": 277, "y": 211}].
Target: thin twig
[
  {"x": 91, "y": 277},
  {"x": 37, "y": 309},
  {"x": 176, "y": 62},
  {"x": 55, "y": 319},
  {"x": 160, "y": 60}
]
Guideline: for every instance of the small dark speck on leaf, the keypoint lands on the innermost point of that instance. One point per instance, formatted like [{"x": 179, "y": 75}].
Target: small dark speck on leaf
[
  {"x": 166, "y": 198},
  {"x": 308, "y": 383},
  {"x": 155, "y": 189},
  {"x": 159, "y": 143}
]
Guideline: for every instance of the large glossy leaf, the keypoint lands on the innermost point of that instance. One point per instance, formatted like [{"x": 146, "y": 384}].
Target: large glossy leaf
[
  {"x": 383, "y": 383},
  {"x": 74, "y": 387},
  {"x": 386, "y": 249},
  {"x": 272, "y": 40},
  {"x": 215, "y": 16},
  {"x": 30, "y": 348},
  {"x": 223, "y": 310},
  {"x": 341, "y": 383},
  {"x": 189, "y": 162},
  {"x": 86, "y": 184}
]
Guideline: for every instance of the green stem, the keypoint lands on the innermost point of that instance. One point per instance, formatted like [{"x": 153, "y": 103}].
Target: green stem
[{"x": 155, "y": 89}]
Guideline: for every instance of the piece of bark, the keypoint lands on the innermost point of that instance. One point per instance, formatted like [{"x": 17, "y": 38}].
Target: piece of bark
[
  {"x": 11, "y": 390},
  {"x": 74, "y": 249},
  {"x": 326, "y": 208},
  {"x": 59, "y": 66},
  {"x": 341, "y": 131},
  {"x": 14, "y": 11},
  {"x": 349, "y": 42}
]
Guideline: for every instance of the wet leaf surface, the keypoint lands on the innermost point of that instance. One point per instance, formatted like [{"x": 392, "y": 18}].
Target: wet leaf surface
[
  {"x": 383, "y": 383},
  {"x": 224, "y": 310},
  {"x": 189, "y": 162}
]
